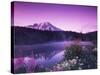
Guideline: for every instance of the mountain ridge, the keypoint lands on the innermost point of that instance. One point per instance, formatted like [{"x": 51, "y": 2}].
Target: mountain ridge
[{"x": 44, "y": 26}]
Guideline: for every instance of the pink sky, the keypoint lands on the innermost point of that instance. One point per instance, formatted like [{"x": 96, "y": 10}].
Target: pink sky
[{"x": 66, "y": 17}]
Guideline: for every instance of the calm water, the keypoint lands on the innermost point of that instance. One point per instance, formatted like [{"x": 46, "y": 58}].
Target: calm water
[{"x": 56, "y": 47}]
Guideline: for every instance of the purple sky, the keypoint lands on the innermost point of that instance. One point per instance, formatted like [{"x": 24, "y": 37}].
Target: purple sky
[{"x": 66, "y": 17}]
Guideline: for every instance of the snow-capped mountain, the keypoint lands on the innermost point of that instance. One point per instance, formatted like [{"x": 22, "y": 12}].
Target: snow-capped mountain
[{"x": 44, "y": 26}]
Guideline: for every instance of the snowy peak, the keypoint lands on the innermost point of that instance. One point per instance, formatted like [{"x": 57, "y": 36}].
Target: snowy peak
[{"x": 44, "y": 26}]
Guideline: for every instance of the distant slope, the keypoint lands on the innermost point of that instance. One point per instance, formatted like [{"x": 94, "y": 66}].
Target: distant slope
[{"x": 44, "y": 26}]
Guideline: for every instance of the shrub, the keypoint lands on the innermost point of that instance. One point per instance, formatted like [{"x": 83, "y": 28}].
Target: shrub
[{"x": 72, "y": 52}]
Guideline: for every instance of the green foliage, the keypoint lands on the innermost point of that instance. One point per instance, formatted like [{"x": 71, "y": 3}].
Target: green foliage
[{"x": 72, "y": 51}]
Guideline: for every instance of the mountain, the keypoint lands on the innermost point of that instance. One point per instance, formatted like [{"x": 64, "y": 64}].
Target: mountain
[{"x": 44, "y": 26}]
